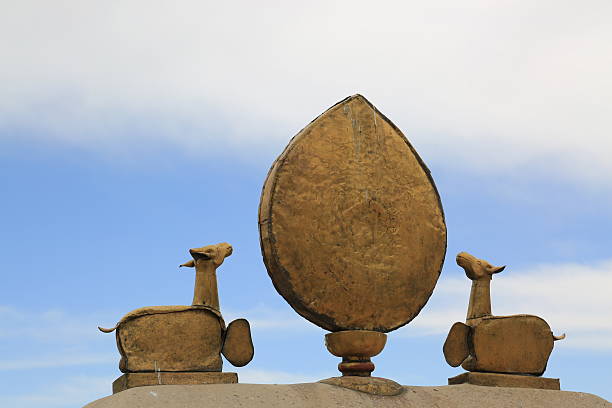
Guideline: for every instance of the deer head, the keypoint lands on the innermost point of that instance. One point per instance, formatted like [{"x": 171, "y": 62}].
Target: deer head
[
  {"x": 206, "y": 260},
  {"x": 216, "y": 254},
  {"x": 477, "y": 269}
]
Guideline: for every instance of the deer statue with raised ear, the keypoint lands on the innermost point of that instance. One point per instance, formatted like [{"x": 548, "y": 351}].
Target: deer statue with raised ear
[
  {"x": 183, "y": 344},
  {"x": 518, "y": 344}
]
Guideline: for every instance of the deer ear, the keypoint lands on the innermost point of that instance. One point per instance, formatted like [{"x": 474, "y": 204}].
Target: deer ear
[
  {"x": 497, "y": 269},
  {"x": 188, "y": 264}
]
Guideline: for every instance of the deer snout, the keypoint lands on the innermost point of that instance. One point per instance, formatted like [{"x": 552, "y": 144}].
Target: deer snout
[
  {"x": 463, "y": 258},
  {"x": 226, "y": 248}
]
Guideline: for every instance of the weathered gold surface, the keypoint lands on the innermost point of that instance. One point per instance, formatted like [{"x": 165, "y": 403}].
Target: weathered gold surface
[
  {"x": 369, "y": 385},
  {"x": 170, "y": 338},
  {"x": 148, "y": 310},
  {"x": 456, "y": 348},
  {"x": 238, "y": 345},
  {"x": 511, "y": 344},
  {"x": 506, "y": 380},
  {"x": 351, "y": 225},
  {"x": 131, "y": 380}
]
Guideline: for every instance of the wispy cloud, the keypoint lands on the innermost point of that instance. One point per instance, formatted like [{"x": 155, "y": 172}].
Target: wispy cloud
[
  {"x": 520, "y": 86},
  {"x": 53, "y": 339},
  {"x": 572, "y": 298}
]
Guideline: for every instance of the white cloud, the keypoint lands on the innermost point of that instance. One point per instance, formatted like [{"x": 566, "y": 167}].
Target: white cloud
[
  {"x": 573, "y": 298},
  {"x": 488, "y": 87}
]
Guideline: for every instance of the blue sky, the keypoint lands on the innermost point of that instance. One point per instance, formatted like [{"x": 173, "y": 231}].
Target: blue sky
[{"x": 129, "y": 136}]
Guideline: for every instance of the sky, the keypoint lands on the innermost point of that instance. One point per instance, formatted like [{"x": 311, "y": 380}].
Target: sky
[{"x": 131, "y": 131}]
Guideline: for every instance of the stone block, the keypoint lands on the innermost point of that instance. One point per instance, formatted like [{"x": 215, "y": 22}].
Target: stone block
[
  {"x": 131, "y": 380},
  {"x": 506, "y": 380}
]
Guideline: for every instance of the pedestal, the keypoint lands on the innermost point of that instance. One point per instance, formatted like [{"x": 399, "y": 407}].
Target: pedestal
[
  {"x": 131, "y": 380},
  {"x": 355, "y": 347},
  {"x": 506, "y": 380}
]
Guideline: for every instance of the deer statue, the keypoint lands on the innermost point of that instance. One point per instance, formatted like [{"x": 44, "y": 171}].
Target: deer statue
[
  {"x": 517, "y": 344},
  {"x": 183, "y": 344}
]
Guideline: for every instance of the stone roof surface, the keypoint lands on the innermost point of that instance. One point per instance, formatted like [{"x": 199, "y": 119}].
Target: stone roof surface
[{"x": 318, "y": 395}]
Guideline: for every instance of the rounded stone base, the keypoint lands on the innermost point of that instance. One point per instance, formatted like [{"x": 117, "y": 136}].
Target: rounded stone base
[{"x": 369, "y": 385}]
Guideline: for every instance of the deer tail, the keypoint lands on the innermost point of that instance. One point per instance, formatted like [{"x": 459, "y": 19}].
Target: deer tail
[
  {"x": 103, "y": 330},
  {"x": 561, "y": 337}
]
